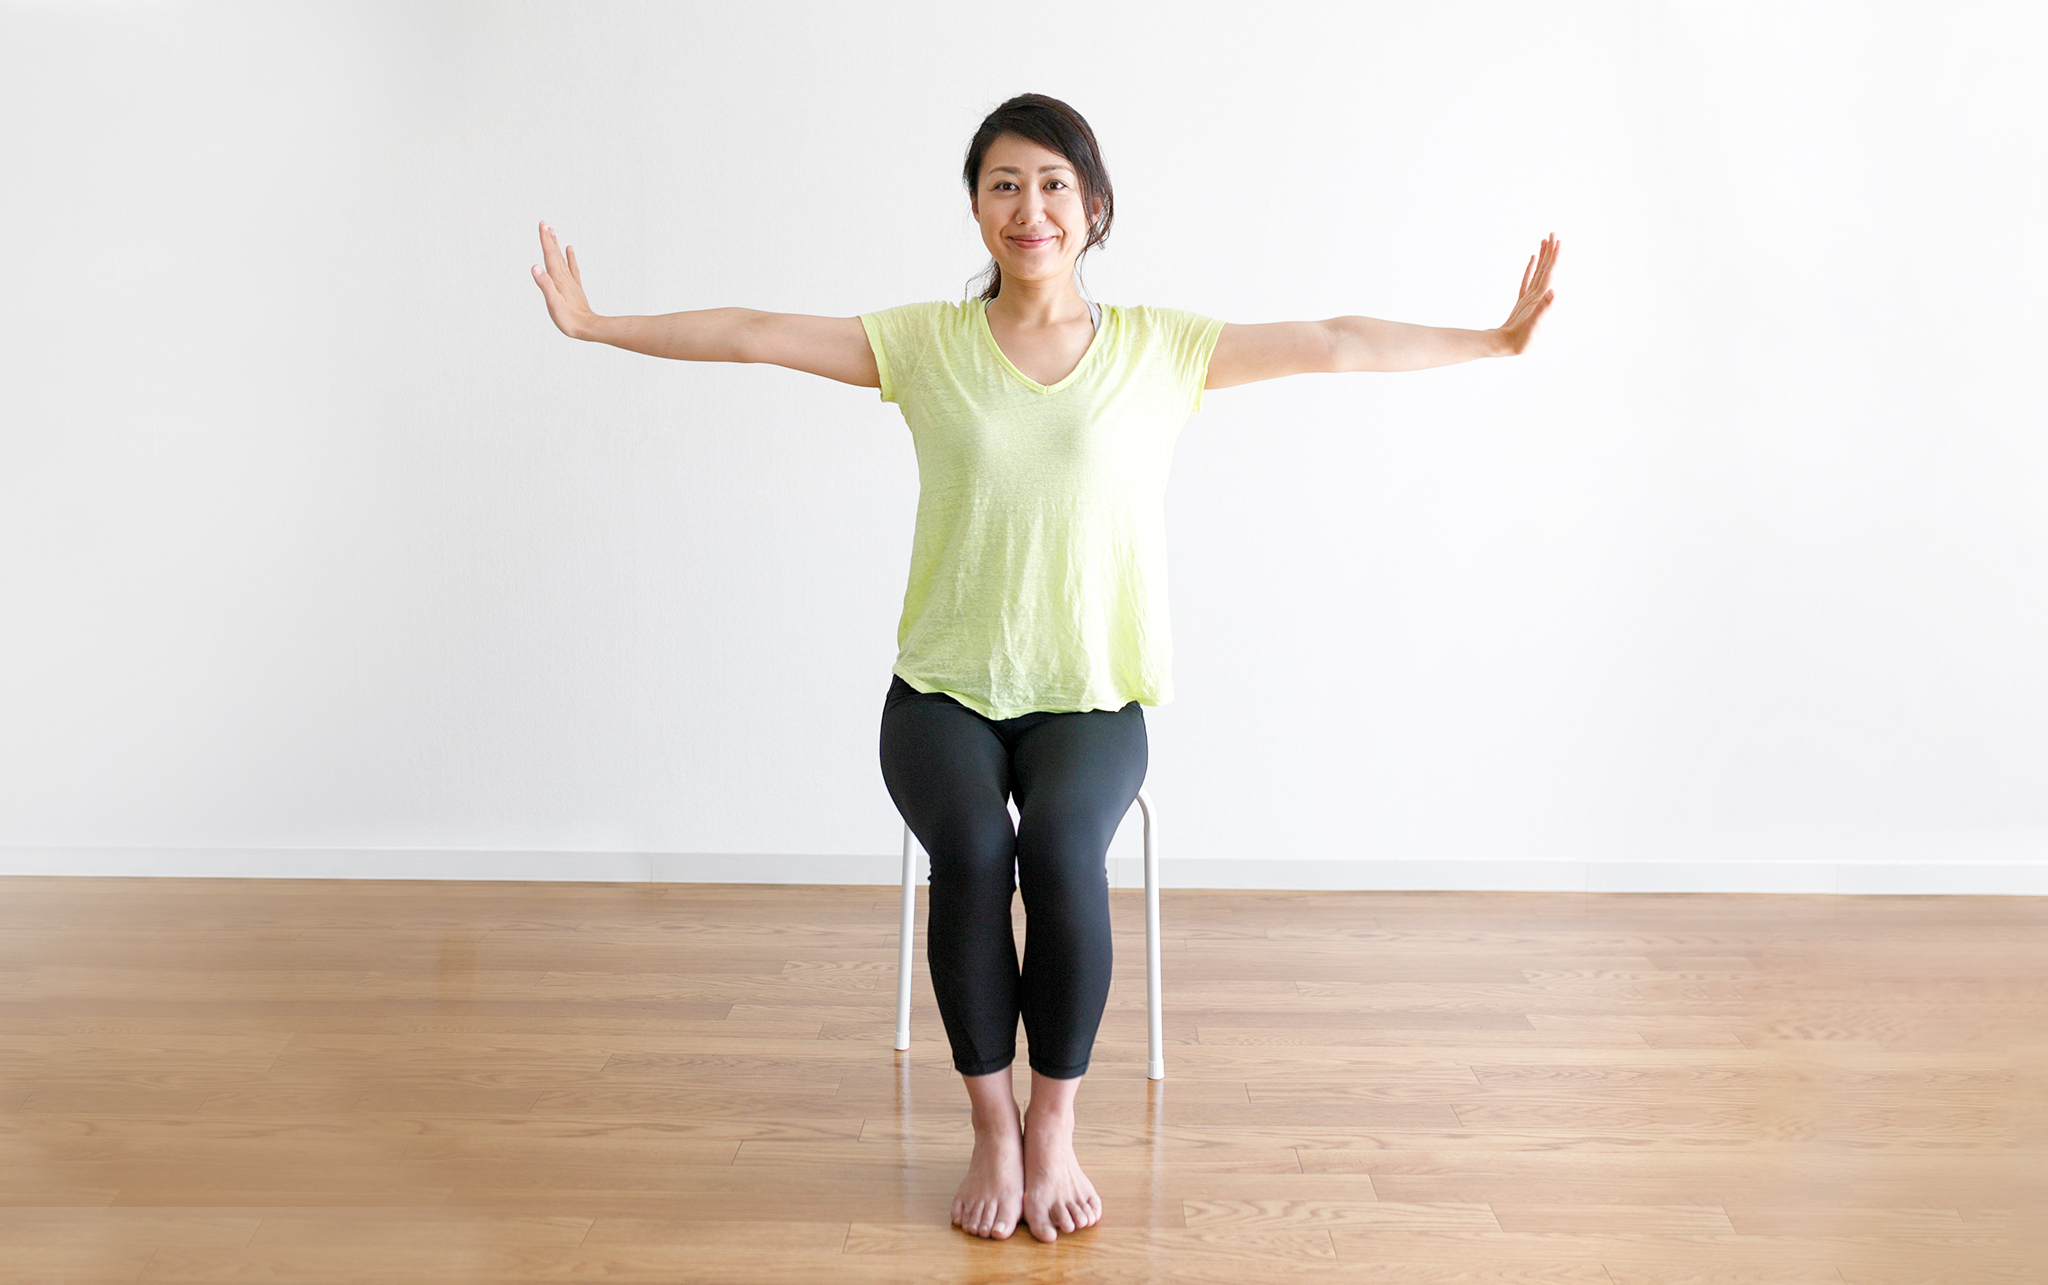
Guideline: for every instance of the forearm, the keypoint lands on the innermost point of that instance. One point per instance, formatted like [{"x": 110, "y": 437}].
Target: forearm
[
  {"x": 709, "y": 334},
  {"x": 1367, "y": 343}
]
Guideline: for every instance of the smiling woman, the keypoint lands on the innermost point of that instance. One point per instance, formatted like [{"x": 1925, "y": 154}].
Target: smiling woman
[
  {"x": 1034, "y": 626},
  {"x": 1042, "y": 144}
]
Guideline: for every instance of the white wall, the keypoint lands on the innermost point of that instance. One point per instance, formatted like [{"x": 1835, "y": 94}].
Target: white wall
[{"x": 315, "y": 535}]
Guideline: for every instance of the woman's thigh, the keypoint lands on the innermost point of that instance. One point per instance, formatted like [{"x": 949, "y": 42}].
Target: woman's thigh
[
  {"x": 949, "y": 775},
  {"x": 1075, "y": 776}
]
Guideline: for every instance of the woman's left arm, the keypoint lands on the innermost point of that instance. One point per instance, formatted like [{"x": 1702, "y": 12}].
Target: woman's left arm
[{"x": 1246, "y": 354}]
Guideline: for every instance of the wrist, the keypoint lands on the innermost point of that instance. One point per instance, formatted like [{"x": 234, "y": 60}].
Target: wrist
[{"x": 593, "y": 328}]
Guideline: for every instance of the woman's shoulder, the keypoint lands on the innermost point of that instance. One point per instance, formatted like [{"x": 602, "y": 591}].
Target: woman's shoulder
[
  {"x": 933, "y": 312},
  {"x": 1156, "y": 315},
  {"x": 912, "y": 328},
  {"x": 1149, "y": 326}
]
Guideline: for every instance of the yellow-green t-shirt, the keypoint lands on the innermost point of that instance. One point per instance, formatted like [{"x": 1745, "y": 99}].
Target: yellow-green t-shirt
[{"x": 1038, "y": 568}]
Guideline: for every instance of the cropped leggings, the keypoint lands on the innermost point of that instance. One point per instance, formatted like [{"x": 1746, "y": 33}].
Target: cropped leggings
[{"x": 952, "y": 772}]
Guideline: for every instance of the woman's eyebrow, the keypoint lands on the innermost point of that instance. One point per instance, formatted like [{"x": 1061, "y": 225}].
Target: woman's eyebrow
[{"x": 1043, "y": 169}]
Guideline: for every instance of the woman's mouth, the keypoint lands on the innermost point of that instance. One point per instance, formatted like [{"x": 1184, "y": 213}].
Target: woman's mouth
[{"x": 1031, "y": 242}]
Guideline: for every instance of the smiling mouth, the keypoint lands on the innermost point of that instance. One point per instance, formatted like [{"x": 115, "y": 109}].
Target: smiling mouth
[{"x": 1032, "y": 242}]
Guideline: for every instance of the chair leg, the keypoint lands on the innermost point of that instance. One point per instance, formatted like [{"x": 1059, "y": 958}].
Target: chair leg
[
  {"x": 903, "y": 947},
  {"x": 1155, "y": 1050}
]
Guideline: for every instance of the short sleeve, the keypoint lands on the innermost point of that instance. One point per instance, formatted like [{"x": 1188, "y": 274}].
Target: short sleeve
[
  {"x": 901, "y": 337},
  {"x": 1186, "y": 340}
]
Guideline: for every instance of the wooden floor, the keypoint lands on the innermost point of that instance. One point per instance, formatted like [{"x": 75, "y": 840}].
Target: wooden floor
[{"x": 238, "y": 1080}]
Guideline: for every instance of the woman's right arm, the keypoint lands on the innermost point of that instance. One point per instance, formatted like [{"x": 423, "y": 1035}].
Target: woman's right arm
[{"x": 835, "y": 347}]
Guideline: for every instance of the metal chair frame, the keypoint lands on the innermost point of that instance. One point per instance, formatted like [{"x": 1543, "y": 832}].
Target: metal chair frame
[{"x": 1155, "y": 1061}]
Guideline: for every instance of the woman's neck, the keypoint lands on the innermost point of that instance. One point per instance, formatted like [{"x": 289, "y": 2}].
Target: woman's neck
[{"x": 1039, "y": 303}]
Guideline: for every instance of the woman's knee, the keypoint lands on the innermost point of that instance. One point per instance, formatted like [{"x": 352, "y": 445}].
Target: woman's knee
[
  {"x": 970, "y": 849},
  {"x": 1064, "y": 867},
  {"x": 1071, "y": 824}
]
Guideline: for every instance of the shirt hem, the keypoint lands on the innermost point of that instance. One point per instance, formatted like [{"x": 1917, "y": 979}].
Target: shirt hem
[{"x": 1000, "y": 713}]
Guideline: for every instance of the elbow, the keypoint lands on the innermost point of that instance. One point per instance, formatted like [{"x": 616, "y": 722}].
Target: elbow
[
  {"x": 1342, "y": 348},
  {"x": 743, "y": 338}
]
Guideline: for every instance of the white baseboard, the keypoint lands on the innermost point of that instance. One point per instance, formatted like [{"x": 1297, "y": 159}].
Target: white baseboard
[
  {"x": 1901, "y": 878},
  {"x": 1908, "y": 878},
  {"x": 444, "y": 863}
]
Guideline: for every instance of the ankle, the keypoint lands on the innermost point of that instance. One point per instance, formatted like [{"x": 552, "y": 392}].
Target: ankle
[
  {"x": 996, "y": 1122},
  {"x": 1050, "y": 1115}
]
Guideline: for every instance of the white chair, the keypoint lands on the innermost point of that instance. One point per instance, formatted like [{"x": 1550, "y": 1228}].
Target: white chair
[{"x": 1155, "y": 1062}]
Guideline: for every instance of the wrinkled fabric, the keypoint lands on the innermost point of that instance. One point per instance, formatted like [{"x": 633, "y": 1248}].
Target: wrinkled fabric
[{"x": 1038, "y": 567}]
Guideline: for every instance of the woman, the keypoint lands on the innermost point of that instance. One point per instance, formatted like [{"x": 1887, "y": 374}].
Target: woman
[{"x": 1034, "y": 625}]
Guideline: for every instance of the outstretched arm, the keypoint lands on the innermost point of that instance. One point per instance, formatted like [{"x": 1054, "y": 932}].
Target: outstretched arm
[
  {"x": 835, "y": 347},
  {"x": 1245, "y": 354}
]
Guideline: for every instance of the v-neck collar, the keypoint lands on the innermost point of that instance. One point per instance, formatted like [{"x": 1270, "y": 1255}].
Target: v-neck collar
[{"x": 987, "y": 333}]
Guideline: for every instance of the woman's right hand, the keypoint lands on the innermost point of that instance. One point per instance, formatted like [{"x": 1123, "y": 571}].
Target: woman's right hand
[
  {"x": 562, "y": 284},
  {"x": 835, "y": 347}
]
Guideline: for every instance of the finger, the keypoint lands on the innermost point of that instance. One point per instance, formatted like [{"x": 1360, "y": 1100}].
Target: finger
[
  {"x": 570, "y": 253},
  {"x": 551, "y": 252},
  {"x": 1531, "y": 267}
]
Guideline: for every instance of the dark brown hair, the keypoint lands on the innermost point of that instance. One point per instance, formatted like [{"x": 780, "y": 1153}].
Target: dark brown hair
[{"x": 1056, "y": 127}]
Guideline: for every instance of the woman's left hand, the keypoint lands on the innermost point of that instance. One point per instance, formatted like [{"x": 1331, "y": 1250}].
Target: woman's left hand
[{"x": 1534, "y": 300}]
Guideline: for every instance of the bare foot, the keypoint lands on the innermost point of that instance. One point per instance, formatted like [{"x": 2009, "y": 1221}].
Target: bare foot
[
  {"x": 1057, "y": 1195},
  {"x": 992, "y": 1193}
]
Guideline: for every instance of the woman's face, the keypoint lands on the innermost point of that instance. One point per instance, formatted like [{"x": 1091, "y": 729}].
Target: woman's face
[{"x": 1029, "y": 206}]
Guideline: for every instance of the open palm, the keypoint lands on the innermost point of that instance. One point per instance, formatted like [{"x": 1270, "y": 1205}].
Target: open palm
[
  {"x": 561, "y": 282},
  {"x": 1534, "y": 299}
]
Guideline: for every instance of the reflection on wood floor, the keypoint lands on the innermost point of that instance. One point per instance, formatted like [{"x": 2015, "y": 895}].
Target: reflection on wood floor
[{"x": 285, "y": 1081}]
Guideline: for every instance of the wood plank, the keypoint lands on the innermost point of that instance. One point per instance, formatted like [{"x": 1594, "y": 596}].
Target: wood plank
[
  {"x": 1634, "y": 1217},
  {"x": 1339, "y": 1213},
  {"x": 333, "y": 1081}
]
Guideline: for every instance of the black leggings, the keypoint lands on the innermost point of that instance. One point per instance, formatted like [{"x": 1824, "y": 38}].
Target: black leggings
[{"x": 951, "y": 773}]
